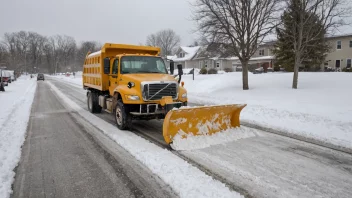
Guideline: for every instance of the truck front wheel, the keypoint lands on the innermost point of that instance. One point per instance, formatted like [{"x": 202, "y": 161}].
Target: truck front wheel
[
  {"x": 122, "y": 117},
  {"x": 93, "y": 102}
]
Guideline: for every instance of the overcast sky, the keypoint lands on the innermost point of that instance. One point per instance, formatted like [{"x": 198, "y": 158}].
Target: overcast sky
[{"x": 117, "y": 21}]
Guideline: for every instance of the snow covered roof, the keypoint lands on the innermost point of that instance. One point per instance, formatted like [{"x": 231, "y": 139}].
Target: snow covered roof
[
  {"x": 171, "y": 57},
  {"x": 263, "y": 58},
  {"x": 338, "y": 36},
  {"x": 190, "y": 52},
  {"x": 259, "y": 58}
]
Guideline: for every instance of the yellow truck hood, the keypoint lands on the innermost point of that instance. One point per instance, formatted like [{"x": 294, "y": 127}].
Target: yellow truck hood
[{"x": 137, "y": 78}]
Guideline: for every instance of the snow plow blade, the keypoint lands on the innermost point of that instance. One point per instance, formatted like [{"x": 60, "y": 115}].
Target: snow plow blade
[{"x": 205, "y": 120}]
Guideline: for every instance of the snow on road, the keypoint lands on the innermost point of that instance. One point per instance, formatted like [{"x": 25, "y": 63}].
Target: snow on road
[
  {"x": 193, "y": 142},
  {"x": 320, "y": 108},
  {"x": 185, "y": 179},
  {"x": 15, "y": 106},
  {"x": 74, "y": 80}
]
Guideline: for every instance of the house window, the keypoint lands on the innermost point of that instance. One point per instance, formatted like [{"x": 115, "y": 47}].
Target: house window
[
  {"x": 338, "y": 45},
  {"x": 350, "y": 44},
  {"x": 182, "y": 55},
  {"x": 337, "y": 63},
  {"x": 348, "y": 63},
  {"x": 261, "y": 52}
]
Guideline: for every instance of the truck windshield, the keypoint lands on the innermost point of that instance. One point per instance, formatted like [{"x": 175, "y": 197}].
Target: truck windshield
[{"x": 142, "y": 64}]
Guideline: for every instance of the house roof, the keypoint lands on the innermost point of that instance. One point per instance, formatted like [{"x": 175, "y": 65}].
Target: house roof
[
  {"x": 190, "y": 53},
  {"x": 339, "y": 36},
  {"x": 259, "y": 58}
]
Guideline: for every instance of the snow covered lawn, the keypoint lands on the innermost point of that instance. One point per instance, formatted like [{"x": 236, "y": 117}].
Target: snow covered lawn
[
  {"x": 15, "y": 106},
  {"x": 320, "y": 109}
]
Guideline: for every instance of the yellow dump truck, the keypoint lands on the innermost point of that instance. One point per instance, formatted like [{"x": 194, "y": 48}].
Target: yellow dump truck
[{"x": 132, "y": 82}]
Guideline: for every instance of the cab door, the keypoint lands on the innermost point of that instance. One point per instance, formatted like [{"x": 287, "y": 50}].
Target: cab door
[{"x": 113, "y": 76}]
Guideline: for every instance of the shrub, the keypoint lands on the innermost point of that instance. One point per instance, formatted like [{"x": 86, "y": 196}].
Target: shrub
[
  {"x": 212, "y": 71},
  {"x": 276, "y": 68},
  {"x": 347, "y": 69},
  {"x": 203, "y": 71},
  {"x": 228, "y": 69}
]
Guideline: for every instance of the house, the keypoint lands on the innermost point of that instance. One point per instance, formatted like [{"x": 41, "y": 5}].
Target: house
[
  {"x": 208, "y": 56},
  {"x": 220, "y": 57},
  {"x": 340, "y": 55}
]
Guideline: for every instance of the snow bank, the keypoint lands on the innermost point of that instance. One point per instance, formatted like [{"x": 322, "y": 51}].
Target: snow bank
[
  {"x": 74, "y": 80},
  {"x": 185, "y": 179},
  {"x": 15, "y": 105},
  {"x": 192, "y": 142},
  {"x": 319, "y": 109}
]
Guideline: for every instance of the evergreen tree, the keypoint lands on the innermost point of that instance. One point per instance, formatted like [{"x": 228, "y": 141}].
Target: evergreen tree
[{"x": 316, "y": 47}]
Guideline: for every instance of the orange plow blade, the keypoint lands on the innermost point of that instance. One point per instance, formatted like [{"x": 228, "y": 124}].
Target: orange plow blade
[{"x": 205, "y": 120}]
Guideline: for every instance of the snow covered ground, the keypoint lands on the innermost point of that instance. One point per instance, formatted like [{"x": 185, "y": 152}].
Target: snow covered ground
[
  {"x": 320, "y": 109},
  {"x": 76, "y": 80},
  {"x": 15, "y": 106},
  {"x": 199, "y": 142}
]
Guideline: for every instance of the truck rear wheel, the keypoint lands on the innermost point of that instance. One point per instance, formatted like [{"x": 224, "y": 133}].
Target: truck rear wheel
[
  {"x": 122, "y": 117},
  {"x": 93, "y": 102}
]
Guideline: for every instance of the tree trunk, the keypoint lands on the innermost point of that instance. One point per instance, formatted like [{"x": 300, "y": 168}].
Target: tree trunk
[
  {"x": 295, "y": 72},
  {"x": 245, "y": 74}
]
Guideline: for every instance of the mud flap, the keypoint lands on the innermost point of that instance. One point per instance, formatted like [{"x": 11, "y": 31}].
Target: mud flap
[{"x": 205, "y": 120}]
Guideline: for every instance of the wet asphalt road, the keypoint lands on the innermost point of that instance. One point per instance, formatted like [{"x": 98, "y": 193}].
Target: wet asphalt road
[{"x": 63, "y": 157}]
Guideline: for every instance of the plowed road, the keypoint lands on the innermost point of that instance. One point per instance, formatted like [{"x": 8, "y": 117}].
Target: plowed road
[{"x": 63, "y": 157}]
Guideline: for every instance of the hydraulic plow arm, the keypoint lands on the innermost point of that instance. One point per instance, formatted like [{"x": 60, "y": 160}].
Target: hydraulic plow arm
[{"x": 200, "y": 120}]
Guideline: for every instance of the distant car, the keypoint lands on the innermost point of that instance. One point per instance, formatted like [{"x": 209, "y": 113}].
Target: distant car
[
  {"x": 258, "y": 70},
  {"x": 270, "y": 69},
  {"x": 5, "y": 77},
  {"x": 40, "y": 77}
]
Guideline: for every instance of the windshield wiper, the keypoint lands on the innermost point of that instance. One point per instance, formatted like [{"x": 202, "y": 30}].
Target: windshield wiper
[{"x": 147, "y": 72}]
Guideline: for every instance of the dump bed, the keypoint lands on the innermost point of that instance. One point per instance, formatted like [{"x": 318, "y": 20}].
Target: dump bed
[{"x": 93, "y": 68}]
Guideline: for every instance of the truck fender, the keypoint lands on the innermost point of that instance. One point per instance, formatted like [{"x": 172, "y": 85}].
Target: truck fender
[{"x": 116, "y": 97}]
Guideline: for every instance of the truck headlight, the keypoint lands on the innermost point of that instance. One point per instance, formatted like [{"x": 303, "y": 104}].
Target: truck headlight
[
  {"x": 132, "y": 97},
  {"x": 184, "y": 95}
]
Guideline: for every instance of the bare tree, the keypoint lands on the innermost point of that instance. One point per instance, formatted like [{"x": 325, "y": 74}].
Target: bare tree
[
  {"x": 36, "y": 45},
  {"x": 85, "y": 47},
  {"x": 3, "y": 54},
  {"x": 167, "y": 40},
  {"x": 242, "y": 24},
  {"x": 152, "y": 40},
  {"x": 67, "y": 48},
  {"x": 331, "y": 14}
]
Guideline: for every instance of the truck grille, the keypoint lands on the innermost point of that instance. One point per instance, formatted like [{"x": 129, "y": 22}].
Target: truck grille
[{"x": 152, "y": 91}]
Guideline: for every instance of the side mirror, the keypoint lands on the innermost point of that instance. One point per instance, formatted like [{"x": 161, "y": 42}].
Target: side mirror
[
  {"x": 106, "y": 65},
  {"x": 180, "y": 71}
]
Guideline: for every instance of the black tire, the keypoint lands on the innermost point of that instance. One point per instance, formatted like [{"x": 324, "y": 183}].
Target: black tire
[
  {"x": 122, "y": 118},
  {"x": 93, "y": 102}
]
